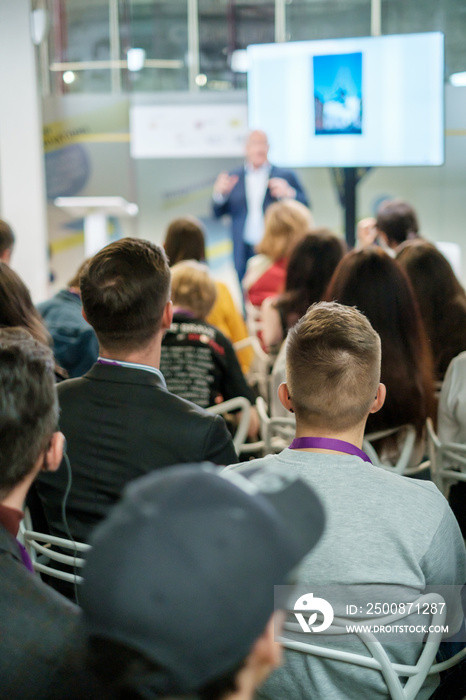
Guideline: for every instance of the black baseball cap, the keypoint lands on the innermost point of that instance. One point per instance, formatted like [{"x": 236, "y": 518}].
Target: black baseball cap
[{"x": 183, "y": 570}]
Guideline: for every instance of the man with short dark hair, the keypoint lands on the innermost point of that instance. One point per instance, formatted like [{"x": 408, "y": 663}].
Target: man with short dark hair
[
  {"x": 75, "y": 343},
  {"x": 119, "y": 420},
  {"x": 7, "y": 241},
  {"x": 39, "y": 632},
  {"x": 388, "y": 537},
  {"x": 179, "y": 585}
]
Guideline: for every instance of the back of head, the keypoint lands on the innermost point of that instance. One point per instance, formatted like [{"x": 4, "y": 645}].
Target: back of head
[
  {"x": 397, "y": 220},
  {"x": 124, "y": 290},
  {"x": 332, "y": 367},
  {"x": 7, "y": 240},
  {"x": 28, "y": 404},
  {"x": 285, "y": 224},
  {"x": 430, "y": 273},
  {"x": 185, "y": 550},
  {"x": 184, "y": 240},
  {"x": 16, "y": 307},
  {"x": 375, "y": 283},
  {"x": 193, "y": 288},
  {"x": 310, "y": 268},
  {"x": 441, "y": 299}
]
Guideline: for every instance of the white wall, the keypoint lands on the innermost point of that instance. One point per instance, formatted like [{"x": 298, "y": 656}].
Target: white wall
[{"x": 22, "y": 193}]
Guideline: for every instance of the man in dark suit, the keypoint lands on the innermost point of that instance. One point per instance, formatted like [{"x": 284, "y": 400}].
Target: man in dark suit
[
  {"x": 40, "y": 638},
  {"x": 119, "y": 419},
  {"x": 246, "y": 192}
]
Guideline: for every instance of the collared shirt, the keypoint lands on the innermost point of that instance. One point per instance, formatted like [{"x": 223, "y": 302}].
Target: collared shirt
[
  {"x": 10, "y": 518},
  {"x": 133, "y": 365},
  {"x": 256, "y": 180}
]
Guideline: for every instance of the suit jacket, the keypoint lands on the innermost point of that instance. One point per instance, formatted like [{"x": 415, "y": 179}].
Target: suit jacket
[
  {"x": 121, "y": 423},
  {"x": 236, "y": 206},
  {"x": 41, "y": 640}
]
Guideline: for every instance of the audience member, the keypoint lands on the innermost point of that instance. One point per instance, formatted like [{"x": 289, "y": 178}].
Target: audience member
[
  {"x": 373, "y": 282},
  {"x": 185, "y": 241},
  {"x": 75, "y": 344},
  {"x": 248, "y": 191},
  {"x": 311, "y": 266},
  {"x": 374, "y": 542},
  {"x": 17, "y": 310},
  {"x": 179, "y": 585},
  {"x": 7, "y": 242},
  {"x": 286, "y": 223},
  {"x": 441, "y": 299},
  {"x": 452, "y": 426},
  {"x": 198, "y": 361},
  {"x": 119, "y": 420},
  {"x": 39, "y": 630},
  {"x": 395, "y": 223}
]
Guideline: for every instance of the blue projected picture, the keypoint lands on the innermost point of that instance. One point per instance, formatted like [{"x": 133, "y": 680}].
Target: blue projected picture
[{"x": 338, "y": 94}]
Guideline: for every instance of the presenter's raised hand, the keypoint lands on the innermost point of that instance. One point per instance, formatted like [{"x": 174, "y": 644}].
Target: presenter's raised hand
[
  {"x": 224, "y": 184},
  {"x": 366, "y": 233},
  {"x": 281, "y": 189}
]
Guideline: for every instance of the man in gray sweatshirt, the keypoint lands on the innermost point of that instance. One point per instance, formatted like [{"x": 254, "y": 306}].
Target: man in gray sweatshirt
[{"x": 388, "y": 538}]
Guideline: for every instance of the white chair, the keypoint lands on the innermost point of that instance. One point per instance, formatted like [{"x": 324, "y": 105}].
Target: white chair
[
  {"x": 448, "y": 460},
  {"x": 238, "y": 403},
  {"x": 407, "y": 445},
  {"x": 379, "y": 660},
  {"x": 42, "y": 549},
  {"x": 261, "y": 364},
  {"x": 276, "y": 432}
]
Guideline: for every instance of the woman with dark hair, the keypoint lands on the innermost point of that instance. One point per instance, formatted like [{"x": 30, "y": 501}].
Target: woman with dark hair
[
  {"x": 441, "y": 299},
  {"x": 376, "y": 284},
  {"x": 311, "y": 266},
  {"x": 17, "y": 310},
  {"x": 16, "y": 307}
]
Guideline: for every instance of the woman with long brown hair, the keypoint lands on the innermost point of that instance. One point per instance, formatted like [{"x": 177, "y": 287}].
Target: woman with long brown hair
[
  {"x": 441, "y": 299},
  {"x": 17, "y": 310},
  {"x": 376, "y": 284}
]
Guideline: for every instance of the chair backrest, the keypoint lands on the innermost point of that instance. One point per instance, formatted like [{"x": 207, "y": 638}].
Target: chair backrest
[
  {"x": 379, "y": 659},
  {"x": 448, "y": 460},
  {"x": 277, "y": 432},
  {"x": 238, "y": 403},
  {"x": 407, "y": 444},
  {"x": 259, "y": 370},
  {"x": 46, "y": 549}
]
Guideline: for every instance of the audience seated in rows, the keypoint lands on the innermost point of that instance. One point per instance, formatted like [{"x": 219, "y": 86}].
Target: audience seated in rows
[
  {"x": 375, "y": 283},
  {"x": 285, "y": 224},
  {"x": 441, "y": 299},
  {"x": 310, "y": 268},
  {"x": 387, "y": 537},
  {"x": 185, "y": 240},
  {"x": 197, "y": 361},
  {"x": 75, "y": 344},
  {"x": 119, "y": 420},
  {"x": 40, "y": 639},
  {"x": 7, "y": 242},
  {"x": 178, "y": 593}
]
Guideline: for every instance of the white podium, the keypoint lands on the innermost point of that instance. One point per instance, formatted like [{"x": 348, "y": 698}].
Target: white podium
[{"x": 96, "y": 211}]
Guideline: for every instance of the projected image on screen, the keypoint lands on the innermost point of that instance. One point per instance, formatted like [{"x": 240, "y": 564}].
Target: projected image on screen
[{"x": 338, "y": 94}]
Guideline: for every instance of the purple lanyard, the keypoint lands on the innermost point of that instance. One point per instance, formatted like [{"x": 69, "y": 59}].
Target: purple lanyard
[
  {"x": 328, "y": 444},
  {"x": 25, "y": 558}
]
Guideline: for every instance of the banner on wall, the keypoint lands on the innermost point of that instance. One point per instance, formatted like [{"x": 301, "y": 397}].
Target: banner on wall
[{"x": 188, "y": 131}]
